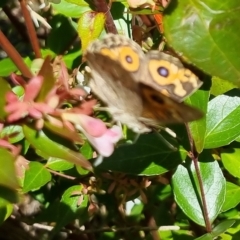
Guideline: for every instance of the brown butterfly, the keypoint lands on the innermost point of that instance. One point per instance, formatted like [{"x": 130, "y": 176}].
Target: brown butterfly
[{"x": 140, "y": 90}]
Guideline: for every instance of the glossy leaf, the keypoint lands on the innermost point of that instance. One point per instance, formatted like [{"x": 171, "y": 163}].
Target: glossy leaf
[
  {"x": 36, "y": 176},
  {"x": 222, "y": 120},
  {"x": 70, "y": 207},
  {"x": 231, "y": 161},
  {"x": 7, "y": 170},
  {"x": 222, "y": 227},
  {"x": 50, "y": 148},
  {"x": 13, "y": 133},
  {"x": 6, "y": 210},
  {"x": 59, "y": 164},
  {"x": 220, "y": 86},
  {"x": 90, "y": 26},
  {"x": 206, "y": 33},
  {"x": 67, "y": 8},
  {"x": 150, "y": 155},
  {"x": 48, "y": 79},
  {"x": 7, "y": 67},
  {"x": 3, "y": 90},
  {"x": 198, "y": 128},
  {"x": 232, "y": 196},
  {"x": 187, "y": 193}
]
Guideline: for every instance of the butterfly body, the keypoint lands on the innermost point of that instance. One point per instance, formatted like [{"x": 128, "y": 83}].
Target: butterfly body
[{"x": 140, "y": 90}]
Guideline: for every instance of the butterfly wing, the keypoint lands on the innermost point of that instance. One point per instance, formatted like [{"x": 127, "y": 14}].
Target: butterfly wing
[
  {"x": 166, "y": 74},
  {"x": 163, "y": 109},
  {"x": 117, "y": 89}
]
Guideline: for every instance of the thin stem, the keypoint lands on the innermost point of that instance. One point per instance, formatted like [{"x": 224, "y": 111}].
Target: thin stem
[
  {"x": 126, "y": 229},
  {"x": 31, "y": 30},
  {"x": 61, "y": 174},
  {"x": 14, "y": 55},
  {"x": 152, "y": 225},
  {"x": 194, "y": 156},
  {"x": 101, "y": 6}
]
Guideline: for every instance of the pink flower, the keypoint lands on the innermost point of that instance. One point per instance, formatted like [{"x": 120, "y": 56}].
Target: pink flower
[
  {"x": 102, "y": 138},
  {"x": 17, "y": 108}
]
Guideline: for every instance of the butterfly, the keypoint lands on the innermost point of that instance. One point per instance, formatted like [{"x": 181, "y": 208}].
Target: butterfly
[{"x": 140, "y": 90}]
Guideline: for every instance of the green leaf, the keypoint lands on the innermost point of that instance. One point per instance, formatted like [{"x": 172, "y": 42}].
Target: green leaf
[
  {"x": 36, "y": 176},
  {"x": 206, "y": 236},
  {"x": 222, "y": 227},
  {"x": 207, "y": 34},
  {"x": 220, "y": 86},
  {"x": 70, "y": 207},
  {"x": 6, "y": 210},
  {"x": 7, "y": 67},
  {"x": 223, "y": 120},
  {"x": 72, "y": 10},
  {"x": 232, "y": 196},
  {"x": 231, "y": 161},
  {"x": 3, "y": 90},
  {"x": 48, "y": 80},
  {"x": 90, "y": 26},
  {"x": 87, "y": 150},
  {"x": 7, "y": 170},
  {"x": 150, "y": 155},
  {"x": 13, "y": 133},
  {"x": 58, "y": 164},
  {"x": 53, "y": 146},
  {"x": 187, "y": 193},
  {"x": 198, "y": 128}
]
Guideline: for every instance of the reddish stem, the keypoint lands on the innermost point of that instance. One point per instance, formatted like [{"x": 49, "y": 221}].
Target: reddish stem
[
  {"x": 31, "y": 30},
  {"x": 14, "y": 55},
  {"x": 101, "y": 6},
  {"x": 194, "y": 157}
]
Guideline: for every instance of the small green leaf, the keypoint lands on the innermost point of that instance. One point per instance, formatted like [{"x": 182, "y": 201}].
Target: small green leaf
[
  {"x": 3, "y": 90},
  {"x": 198, "y": 128},
  {"x": 222, "y": 227},
  {"x": 58, "y": 164},
  {"x": 187, "y": 193},
  {"x": 7, "y": 67},
  {"x": 223, "y": 120},
  {"x": 48, "y": 79},
  {"x": 232, "y": 196},
  {"x": 206, "y": 236},
  {"x": 36, "y": 176},
  {"x": 70, "y": 207},
  {"x": 67, "y": 8},
  {"x": 13, "y": 133},
  {"x": 231, "y": 161},
  {"x": 150, "y": 155},
  {"x": 86, "y": 150},
  {"x": 7, "y": 170},
  {"x": 90, "y": 26},
  {"x": 6, "y": 210},
  {"x": 220, "y": 86}
]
